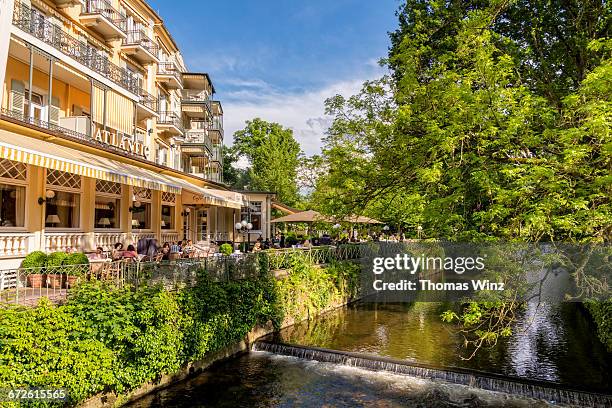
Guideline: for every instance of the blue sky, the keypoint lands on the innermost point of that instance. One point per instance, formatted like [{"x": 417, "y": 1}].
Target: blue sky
[{"x": 280, "y": 59}]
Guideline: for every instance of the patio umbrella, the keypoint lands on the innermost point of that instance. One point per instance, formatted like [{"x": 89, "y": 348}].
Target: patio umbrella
[{"x": 308, "y": 216}]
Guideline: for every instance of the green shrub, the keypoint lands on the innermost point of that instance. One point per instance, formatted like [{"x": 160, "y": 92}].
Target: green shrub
[
  {"x": 56, "y": 259},
  {"x": 77, "y": 258},
  {"x": 36, "y": 259},
  {"x": 602, "y": 315},
  {"x": 106, "y": 338},
  {"x": 226, "y": 249}
]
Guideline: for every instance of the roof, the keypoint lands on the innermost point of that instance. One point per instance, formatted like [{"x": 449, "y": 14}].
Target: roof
[{"x": 284, "y": 208}]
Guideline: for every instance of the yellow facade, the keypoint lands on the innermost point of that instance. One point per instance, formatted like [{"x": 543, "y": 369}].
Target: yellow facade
[{"x": 120, "y": 94}]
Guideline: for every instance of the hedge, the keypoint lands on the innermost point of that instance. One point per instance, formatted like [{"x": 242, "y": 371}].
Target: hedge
[{"x": 109, "y": 339}]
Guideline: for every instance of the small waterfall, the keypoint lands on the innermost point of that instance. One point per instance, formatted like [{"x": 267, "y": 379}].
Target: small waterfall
[{"x": 541, "y": 390}]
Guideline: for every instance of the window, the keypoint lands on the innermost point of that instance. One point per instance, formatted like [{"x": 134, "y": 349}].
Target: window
[
  {"x": 168, "y": 210},
  {"x": 63, "y": 209},
  {"x": 252, "y": 214},
  {"x": 13, "y": 179},
  {"x": 141, "y": 208},
  {"x": 108, "y": 205}
]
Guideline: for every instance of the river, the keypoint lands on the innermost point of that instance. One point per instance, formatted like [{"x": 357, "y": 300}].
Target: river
[{"x": 556, "y": 344}]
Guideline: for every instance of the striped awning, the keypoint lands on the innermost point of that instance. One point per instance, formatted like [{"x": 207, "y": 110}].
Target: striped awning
[
  {"x": 194, "y": 195},
  {"x": 51, "y": 156}
]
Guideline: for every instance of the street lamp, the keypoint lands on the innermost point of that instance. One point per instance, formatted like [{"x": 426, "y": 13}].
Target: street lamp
[
  {"x": 245, "y": 227},
  {"x": 419, "y": 231}
]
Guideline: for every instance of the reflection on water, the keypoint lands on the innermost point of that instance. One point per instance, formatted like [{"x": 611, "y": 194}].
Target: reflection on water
[
  {"x": 550, "y": 342},
  {"x": 264, "y": 380}
]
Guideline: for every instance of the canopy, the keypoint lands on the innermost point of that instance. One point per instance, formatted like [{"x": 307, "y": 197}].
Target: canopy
[
  {"x": 304, "y": 216},
  {"x": 314, "y": 216},
  {"x": 361, "y": 219}
]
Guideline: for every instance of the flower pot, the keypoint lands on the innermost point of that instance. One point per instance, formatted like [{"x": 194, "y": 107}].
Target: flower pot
[
  {"x": 36, "y": 280},
  {"x": 55, "y": 281},
  {"x": 71, "y": 281}
]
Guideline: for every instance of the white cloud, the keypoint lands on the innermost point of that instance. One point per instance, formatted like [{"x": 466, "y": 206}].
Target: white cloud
[{"x": 304, "y": 112}]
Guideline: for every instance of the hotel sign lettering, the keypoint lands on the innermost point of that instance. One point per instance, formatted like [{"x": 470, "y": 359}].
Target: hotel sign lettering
[{"x": 121, "y": 141}]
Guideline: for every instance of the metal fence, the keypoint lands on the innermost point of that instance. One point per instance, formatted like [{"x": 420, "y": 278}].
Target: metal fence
[{"x": 26, "y": 286}]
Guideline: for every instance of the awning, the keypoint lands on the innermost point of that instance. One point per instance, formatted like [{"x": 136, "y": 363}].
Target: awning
[
  {"x": 194, "y": 195},
  {"x": 51, "y": 156}
]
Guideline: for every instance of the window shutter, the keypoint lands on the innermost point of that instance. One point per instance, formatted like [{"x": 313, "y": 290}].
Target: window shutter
[
  {"x": 54, "y": 110},
  {"x": 17, "y": 96}
]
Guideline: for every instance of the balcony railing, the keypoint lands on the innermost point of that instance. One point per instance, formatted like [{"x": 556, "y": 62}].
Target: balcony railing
[
  {"x": 37, "y": 25},
  {"x": 170, "y": 119},
  {"x": 107, "y": 10},
  {"x": 138, "y": 37},
  {"x": 69, "y": 133},
  {"x": 197, "y": 136},
  {"x": 170, "y": 68},
  {"x": 148, "y": 100}
]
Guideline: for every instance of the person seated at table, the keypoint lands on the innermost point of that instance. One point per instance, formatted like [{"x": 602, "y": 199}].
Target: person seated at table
[
  {"x": 117, "y": 252},
  {"x": 189, "y": 249},
  {"x": 175, "y": 248},
  {"x": 165, "y": 251},
  {"x": 257, "y": 247},
  {"x": 306, "y": 244},
  {"x": 99, "y": 254},
  {"x": 130, "y": 253}
]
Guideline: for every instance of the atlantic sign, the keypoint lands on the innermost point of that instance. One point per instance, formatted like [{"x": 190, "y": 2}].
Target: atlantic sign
[{"x": 121, "y": 141}]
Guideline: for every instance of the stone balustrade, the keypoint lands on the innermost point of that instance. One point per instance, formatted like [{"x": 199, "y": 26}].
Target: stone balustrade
[
  {"x": 15, "y": 244},
  {"x": 107, "y": 240},
  {"x": 169, "y": 237},
  {"x": 65, "y": 241}
]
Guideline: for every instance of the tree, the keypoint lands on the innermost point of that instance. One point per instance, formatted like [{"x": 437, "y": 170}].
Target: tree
[
  {"x": 273, "y": 154},
  {"x": 232, "y": 175}
]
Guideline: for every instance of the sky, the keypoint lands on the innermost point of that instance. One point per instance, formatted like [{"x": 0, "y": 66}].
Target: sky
[{"x": 280, "y": 59}]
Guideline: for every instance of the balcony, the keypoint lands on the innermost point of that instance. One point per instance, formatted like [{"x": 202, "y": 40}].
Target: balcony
[
  {"x": 100, "y": 16},
  {"x": 66, "y": 3},
  {"x": 38, "y": 26},
  {"x": 196, "y": 104},
  {"x": 197, "y": 143},
  {"x": 146, "y": 106},
  {"x": 138, "y": 45},
  {"x": 171, "y": 123},
  {"x": 168, "y": 74}
]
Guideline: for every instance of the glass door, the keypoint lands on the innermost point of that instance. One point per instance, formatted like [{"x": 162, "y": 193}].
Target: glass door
[{"x": 202, "y": 222}]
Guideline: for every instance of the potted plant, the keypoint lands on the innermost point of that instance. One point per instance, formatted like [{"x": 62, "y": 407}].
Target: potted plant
[
  {"x": 226, "y": 249},
  {"x": 74, "y": 273},
  {"x": 55, "y": 276},
  {"x": 34, "y": 263}
]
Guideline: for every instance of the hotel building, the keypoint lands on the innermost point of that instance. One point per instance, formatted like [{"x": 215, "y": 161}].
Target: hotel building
[{"x": 106, "y": 136}]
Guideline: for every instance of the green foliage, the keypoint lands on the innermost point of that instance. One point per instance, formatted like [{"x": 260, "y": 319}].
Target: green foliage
[
  {"x": 273, "y": 154},
  {"x": 309, "y": 289},
  {"x": 36, "y": 259},
  {"x": 48, "y": 346},
  {"x": 115, "y": 339},
  {"x": 602, "y": 315},
  {"x": 56, "y": 259},
  {"x": 226, "y": 249},
  {"x": 495, "y": 124},
  {"x": 77, "y": 258}
]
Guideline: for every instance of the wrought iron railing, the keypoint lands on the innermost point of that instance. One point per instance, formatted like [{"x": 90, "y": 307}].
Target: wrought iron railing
[
  {"x": 197, "y": 136},
  {"x": 171, "y": 119},
  {"x": 51, "y": 127},
  {"x": 34, "y": 23},
  {"x": 148, "y": 100},
  {"x": 26, "y": 286},
  {"x": 169, "y": 68},
  {"x": 138, "y": 37},
  {"x": 107, "y": 10}
]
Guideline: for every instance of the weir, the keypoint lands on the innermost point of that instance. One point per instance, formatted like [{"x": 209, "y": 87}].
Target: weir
[{"x": 541, "y": 390}]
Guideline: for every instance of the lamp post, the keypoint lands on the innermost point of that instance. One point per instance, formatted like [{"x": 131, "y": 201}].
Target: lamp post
[
  {"x": 245, "y": 227},
  {"x": 419, "y": 231}
]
